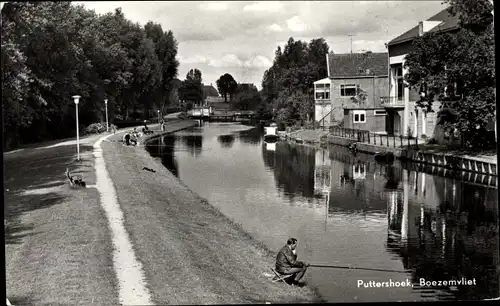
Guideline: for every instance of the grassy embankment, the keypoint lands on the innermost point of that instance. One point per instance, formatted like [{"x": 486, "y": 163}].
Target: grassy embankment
[
  {"x": 57, "y": 244},
  {"x": 191, "y": 253}
]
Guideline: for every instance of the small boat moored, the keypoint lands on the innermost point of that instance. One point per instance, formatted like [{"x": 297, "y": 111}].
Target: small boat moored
[{"x": 271, "y": 133}]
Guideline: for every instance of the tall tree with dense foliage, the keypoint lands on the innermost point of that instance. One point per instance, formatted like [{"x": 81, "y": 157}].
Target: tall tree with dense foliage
[
  {"x": 54, "y": 50},
  {"x": 227, "y": 85},
  {"x": 458, "y": 69},
  {"x": 247, "y": 97},
  {"x": 287, "y": 86},
  {"x": 191, "y": 90}
]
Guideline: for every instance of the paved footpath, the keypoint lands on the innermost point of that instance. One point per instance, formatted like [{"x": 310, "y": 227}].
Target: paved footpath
[{"x": 57, "y": 242}]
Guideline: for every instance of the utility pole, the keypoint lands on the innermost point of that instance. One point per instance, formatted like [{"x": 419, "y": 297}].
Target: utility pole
[{"x": 350, "y": 36}]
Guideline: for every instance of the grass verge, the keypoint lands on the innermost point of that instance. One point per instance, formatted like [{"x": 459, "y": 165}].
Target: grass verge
[{"x": 190, "y": 251}]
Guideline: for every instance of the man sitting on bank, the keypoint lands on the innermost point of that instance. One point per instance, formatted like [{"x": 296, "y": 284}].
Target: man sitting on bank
[{"x": 286, "y": 262}]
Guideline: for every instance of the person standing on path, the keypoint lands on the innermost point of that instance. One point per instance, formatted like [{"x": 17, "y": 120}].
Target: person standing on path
[{"x": 287, "y": 263}]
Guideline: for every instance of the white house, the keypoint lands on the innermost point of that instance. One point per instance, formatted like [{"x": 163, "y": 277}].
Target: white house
[
  {"x": 404, "y": 117},
  {"x": 322, "y": 101}
]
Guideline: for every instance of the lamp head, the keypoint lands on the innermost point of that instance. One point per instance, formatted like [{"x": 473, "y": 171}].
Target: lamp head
[
  {"x": 106, "y": 101},
  {"x": 76, "y": 99}
]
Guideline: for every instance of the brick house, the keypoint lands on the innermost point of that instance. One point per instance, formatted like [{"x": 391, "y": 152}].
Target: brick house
[{"x": 351, "y": 95}]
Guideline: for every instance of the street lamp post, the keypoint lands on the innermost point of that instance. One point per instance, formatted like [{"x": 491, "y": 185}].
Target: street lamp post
[
  {"x": 107, "y": 125},
  {"x": 158, "y": 116},
  {"x": 77, "y": 99}
]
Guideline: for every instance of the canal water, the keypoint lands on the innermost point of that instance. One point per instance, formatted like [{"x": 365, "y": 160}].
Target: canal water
[{"x": 346, "y": 210}]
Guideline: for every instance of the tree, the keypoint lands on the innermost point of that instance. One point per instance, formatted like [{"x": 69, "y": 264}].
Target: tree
[
  {"x": 458, "y": 70},
  {"x": 194, "y": 75},
  {"x": 53, "y": 50},
  {"x": 287, "y": 86},
  {"x": 226, "y": 85},
  {"x": 247, "y": 97},
  {"x": 191, "y": 89}
]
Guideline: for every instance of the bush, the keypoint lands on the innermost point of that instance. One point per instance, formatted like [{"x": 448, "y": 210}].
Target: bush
[{"x": 95, "y": 128}]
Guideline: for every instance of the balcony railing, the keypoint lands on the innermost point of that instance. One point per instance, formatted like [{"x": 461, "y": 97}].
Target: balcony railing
[{"x": 392, "y": 101}]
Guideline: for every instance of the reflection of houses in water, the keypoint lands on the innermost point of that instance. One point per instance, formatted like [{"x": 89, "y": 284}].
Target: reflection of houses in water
[
  {"x": 356, "y": 175},
  {"x": 359, "y": 171},
  {"x": 322, "y": 173},
  {"x": 445, "y": 229},
  {"x": 270, "y": 146}
]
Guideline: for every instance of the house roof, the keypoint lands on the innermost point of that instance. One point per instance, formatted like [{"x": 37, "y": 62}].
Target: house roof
[
  {"x": 323, "y": 81},
  {"x": 448, "y": 23},
  {"x": 358, "y": 64},
  {"x": 210, "y": 91}
]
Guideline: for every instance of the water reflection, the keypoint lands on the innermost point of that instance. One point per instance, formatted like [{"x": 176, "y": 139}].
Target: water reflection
[
  {"x": 226, "y": 141},
  {"x": 193, "y": 143},
  {"x": 446, "y": 229},
  {"x": 347, "y": 210},
  {"x": 294, "y": 169},
  {"x": 442, "y": 229},
  {"x": 252, "y": 136},
  {"x": 163, "y": 148}
]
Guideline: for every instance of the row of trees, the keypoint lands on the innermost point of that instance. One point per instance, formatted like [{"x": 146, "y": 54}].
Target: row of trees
[
  {"x": 54, "y": 50},
  {"x": 459, "y": 70},
  {"x": 287, "y": 86}
]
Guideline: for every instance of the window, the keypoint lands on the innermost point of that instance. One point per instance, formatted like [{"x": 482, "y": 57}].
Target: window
[
  {"x": 380, "y": 113},
  {"x": 359, "y": 116},
  {"x": 348, "y": 90},
  {"x": 400, "y": 89},
  {"x": 322, "y": 95},
  {"x": 397, "y": 70},
  {"x": 322, "y": 92}
]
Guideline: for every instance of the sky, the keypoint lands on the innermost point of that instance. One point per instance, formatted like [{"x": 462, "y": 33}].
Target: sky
[{"x": 240, "y": 37}]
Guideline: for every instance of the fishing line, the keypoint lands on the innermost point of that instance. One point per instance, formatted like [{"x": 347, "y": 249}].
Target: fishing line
[{"x": 356, "y": 268}]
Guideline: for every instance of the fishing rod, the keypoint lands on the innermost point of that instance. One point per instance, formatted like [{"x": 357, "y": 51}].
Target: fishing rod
[{"x": 355, "y": 268}]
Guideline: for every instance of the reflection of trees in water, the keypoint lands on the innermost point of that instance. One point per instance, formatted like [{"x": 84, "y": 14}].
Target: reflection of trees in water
[
  {"x": 253, "y": 136},
  {"x": 194, "y": 143},
  {"x": 293, "y": 167},
  {"x": 164, "y": 149},
  {"x": 460, "y": 239},
  {"x": 226, "y": 141}
]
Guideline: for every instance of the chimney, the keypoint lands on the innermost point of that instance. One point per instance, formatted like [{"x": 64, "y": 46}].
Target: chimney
[{"x": 427, "y": 25}]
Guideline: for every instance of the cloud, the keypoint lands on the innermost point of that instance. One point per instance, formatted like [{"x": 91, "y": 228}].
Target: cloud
[
  {"x": 263, "y": 6},
  {"x": 209, "y": 32},
  {"x": 275, "y": 28},
  {"x": 193, "y": 59},
  {"x": 295, "y": 24},
  {"x": 233, "y": 61}
]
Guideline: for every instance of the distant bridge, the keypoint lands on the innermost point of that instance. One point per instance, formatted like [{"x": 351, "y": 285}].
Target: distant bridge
[{"x": 223, "y": 116}]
